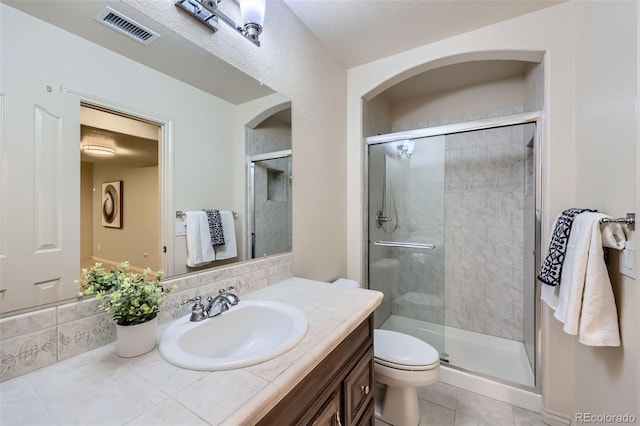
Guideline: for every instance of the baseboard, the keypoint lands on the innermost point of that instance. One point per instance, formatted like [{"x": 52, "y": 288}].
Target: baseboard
[{"x": 553, "y": 418}]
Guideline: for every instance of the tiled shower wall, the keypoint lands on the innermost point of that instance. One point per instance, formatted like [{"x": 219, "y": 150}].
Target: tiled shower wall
[
  {"x": 40, "y": 338},
  {"x": 484, "y": 236}
]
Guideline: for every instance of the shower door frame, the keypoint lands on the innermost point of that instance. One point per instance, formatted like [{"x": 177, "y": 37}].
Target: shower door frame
[{"x": 535, "y": 117}]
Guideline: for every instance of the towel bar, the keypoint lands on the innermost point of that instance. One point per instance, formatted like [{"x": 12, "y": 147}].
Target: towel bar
[
  {"x": 181, "y": 215},
  {"x": 630, "y": 221},
  {"x": 404, "y": 245}
]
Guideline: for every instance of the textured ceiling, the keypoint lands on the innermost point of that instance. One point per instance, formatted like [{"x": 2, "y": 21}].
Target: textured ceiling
[{"x": 361, "y": 31}]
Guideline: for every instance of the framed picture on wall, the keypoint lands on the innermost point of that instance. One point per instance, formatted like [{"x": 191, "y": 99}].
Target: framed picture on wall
[{"x": 111, "y": 206}]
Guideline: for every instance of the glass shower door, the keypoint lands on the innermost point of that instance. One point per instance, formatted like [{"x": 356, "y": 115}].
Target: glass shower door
[{"x": 406, "y": 236}]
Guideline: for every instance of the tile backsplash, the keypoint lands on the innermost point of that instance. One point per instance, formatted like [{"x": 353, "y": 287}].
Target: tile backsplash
[{"x": 36, "y": 339}]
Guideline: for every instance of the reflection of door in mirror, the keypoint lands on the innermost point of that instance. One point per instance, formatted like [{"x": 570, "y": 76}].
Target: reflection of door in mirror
[
  {"x": 39, "y": 215},
  {"x": 119, "y": 151},
  {"x": 269, "y": 185}
]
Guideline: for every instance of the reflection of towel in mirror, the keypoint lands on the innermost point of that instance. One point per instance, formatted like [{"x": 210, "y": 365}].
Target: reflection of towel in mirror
[
  {"x": 584, "y": 301},
  {"x": 229, "y": 249},
  {"x": 215, "y": 226},
  {"x": 199, "y": 248}
]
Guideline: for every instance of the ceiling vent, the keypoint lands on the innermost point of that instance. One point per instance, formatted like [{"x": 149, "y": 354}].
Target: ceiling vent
[{"x": 127, "y": 26}]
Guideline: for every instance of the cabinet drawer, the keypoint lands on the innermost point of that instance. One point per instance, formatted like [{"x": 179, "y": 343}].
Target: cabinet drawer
[
  {"x": 358, "y": 387},
  {"x": 368, "y": 418}
]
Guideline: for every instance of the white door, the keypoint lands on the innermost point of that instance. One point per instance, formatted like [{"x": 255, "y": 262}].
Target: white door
[{"x": 39, "y": 192}]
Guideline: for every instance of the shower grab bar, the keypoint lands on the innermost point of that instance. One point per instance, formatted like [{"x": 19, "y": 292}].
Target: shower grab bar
[{"x": 404, "y": 245}]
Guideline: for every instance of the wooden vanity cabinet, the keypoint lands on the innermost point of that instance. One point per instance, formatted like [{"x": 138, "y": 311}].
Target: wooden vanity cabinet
[{"x": 338, "y": 392}]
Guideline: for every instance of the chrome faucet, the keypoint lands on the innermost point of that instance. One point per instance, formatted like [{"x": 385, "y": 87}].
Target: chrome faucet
[
  {"x": 216, "y": 305},
  {"x": 232, "y": 298},
  {"x": 197, "y": 311}
]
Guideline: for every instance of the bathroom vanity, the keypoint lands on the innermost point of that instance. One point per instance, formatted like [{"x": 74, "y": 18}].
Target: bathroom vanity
[
  {"x": 327, "y": 374},
  {"x": 339, "y": 391}
]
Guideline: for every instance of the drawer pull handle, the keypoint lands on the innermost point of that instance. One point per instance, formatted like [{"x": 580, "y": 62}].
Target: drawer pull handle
[
  {"x": 338, "y": 418},
  {"x": 365, "y": 389}
]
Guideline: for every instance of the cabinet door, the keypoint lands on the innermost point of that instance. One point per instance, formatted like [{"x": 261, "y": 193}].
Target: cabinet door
[
  {"x": 358, "y": 388},
  {"x": 329, "y": 414}
]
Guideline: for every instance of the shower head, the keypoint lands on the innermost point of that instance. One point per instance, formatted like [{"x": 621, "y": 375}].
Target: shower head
[{"x": 401, "y": 149}]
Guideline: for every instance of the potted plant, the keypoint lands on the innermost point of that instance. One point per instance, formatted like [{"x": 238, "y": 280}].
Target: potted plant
[{"x": 132, "y": 299}]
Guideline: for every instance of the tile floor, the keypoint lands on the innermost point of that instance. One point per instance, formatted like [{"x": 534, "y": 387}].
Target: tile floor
[{"x": 446, "y": 405}]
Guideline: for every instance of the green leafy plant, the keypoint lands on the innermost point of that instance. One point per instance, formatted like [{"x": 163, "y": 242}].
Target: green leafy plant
[{"x": 129, "y": 297}]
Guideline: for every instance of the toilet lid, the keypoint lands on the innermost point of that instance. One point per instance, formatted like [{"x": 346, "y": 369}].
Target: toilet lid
[{"x": 402, "y": 349}]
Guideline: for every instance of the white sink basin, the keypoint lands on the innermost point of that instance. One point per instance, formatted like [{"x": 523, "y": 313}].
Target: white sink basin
[{"x": 249, "y": 333}]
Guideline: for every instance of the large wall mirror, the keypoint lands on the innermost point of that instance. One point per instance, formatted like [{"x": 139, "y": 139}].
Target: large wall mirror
[{"x": 111, "y": 144}]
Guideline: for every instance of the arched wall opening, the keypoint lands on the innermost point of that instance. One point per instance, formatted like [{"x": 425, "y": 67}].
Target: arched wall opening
[{"x": 468, "y": 193}]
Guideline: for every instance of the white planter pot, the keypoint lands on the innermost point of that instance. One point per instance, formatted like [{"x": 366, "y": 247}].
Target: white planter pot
[{"x": 134, "y": 340}]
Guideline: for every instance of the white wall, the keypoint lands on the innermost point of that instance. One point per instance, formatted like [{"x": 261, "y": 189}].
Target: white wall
[
  {"x": 637, "y": 320},
  {"x": 293, "y": 62},
  {"x": 460, "y": 103},
  {"x": 583, "y": 77},
  {"x": 606, "y": 135}
]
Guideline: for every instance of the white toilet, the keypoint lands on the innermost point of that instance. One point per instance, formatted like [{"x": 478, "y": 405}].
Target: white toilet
[{"x": 402, "y": 364}]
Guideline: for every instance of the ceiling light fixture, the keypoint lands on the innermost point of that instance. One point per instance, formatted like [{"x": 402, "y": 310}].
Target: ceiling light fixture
[
  {"x": 207, "y": 12},
  {"x": 103, "y": 151},
  {"x": 98, "y": 142}
]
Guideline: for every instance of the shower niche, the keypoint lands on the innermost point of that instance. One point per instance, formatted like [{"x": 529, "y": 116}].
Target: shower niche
[{"x": 451, "y": 160}]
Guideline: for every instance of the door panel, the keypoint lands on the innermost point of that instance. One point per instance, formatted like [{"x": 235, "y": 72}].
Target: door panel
[{"x": 40, "y": 193}]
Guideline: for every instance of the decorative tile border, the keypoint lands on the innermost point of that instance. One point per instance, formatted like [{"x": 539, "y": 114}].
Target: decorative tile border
[
  {"x": 28, "y": 352},
  {"x": 82, "y": 335},
  {"x": 40, "y": 338}
]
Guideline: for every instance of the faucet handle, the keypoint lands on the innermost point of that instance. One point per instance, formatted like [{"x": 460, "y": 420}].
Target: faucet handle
[
  {"x": 231, "y": 297},
  {"x": 195, "y": 300},
  {"x": 197, "y": 311}
]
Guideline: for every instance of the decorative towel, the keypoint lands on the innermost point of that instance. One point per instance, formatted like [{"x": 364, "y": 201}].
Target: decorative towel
[
  {"x": 551, "y": 269},
  {"x": 229, "y": 249},
  {"x": 199, "y": 248},
  {"x": 215, "y": 227},
  {"x": 584, "y": 300}
]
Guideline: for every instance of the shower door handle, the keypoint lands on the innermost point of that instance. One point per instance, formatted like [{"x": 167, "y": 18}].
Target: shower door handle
[{"x": 404, "y": 245}]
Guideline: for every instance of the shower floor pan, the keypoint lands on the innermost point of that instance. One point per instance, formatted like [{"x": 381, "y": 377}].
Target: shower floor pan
[{"x": 475, "y": 352}]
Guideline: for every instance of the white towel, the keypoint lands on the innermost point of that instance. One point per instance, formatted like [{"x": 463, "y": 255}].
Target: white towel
[
  {"x": 229, "y": 249},
  {"x": 199, "y": 248},
  {"x": 584, "y": 300}
]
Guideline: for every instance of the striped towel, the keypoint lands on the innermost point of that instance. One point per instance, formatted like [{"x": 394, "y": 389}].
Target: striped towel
[
  {"x": 551, "y": 269},
  {"x": 215, "y": 226}
]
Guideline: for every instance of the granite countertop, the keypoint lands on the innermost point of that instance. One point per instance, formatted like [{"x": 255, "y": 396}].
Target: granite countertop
[{"x": 98, "y": 387}]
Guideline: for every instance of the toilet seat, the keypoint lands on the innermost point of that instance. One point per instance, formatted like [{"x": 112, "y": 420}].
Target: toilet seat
[
  {"x": 403, "y": 352},
  {"x": 407, "y": 367}
]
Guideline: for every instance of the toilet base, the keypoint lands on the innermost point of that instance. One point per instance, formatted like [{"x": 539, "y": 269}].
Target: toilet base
[{"x": 397, "y": 406}]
